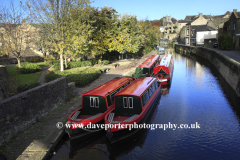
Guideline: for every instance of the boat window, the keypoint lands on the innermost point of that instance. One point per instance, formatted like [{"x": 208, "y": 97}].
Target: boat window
[
  {"x": 156, "y": 85},
  {"x": 145, "y": 96},
  {"x": 125, "y": 105},
  {"x": 94, "y": 102},
  {"x": 130, "y": 100},
  {"x": 91, "y": 101}
]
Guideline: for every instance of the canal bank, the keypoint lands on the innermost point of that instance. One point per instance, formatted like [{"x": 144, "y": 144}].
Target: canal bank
[
  {"x": 228, "y": 67},
  {"x": 40, "y": 139}
]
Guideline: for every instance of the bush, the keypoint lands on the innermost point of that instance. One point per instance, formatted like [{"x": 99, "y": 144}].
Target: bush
[
  {"x": 104, "y": 62},
  {"x": 28, "y": 68},
  {"x": 25, "y": 87},
  {"x": 51, "y": 76},
  {"x": 84, "y": 78},
  {"x": 225, "y": 42}
]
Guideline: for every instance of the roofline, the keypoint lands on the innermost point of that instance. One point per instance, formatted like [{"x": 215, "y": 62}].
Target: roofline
[
  {"x": 151, "y": 81},
  {"x": 152, "y": 61}
]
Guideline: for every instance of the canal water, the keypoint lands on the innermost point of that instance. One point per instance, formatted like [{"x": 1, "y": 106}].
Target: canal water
[{"x": 198, "y": 95}]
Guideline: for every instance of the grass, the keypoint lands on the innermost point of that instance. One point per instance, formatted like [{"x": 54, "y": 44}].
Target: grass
[
  {"x": 81, "y": 76},
  {"x": 15, "y": 79},
  {"x": 43, "y": 64}
]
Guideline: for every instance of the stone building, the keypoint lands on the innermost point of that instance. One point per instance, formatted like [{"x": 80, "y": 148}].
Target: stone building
[{"x": 233, "y": 28}]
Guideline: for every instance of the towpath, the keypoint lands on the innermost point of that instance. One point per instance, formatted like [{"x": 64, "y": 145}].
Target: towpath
[
  {"x": 230, "y": 53},
  {"x": 38, "y": 141}
]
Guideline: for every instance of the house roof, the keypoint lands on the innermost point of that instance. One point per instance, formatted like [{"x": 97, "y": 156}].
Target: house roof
[
  {"x": 219, "y": 21},
  {"x": 183, "y": 21},
  {"x": 3, "y": 25},
  {"x": 199, "y": 28},
  {"x": 193, "y": 17},
  {"x": 237, "y": 14}
]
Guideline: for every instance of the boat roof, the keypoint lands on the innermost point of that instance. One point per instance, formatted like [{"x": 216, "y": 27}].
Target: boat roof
[
  {"x": 148, "y": 62},
  {"x": 109, "y": 86},
  {"x": 165, "y": 60},
  {"x": 138, "y": 87},
  {"x": 159, "y": 48}
]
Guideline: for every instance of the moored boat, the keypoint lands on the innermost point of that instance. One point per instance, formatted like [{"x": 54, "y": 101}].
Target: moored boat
[
  {"x": 146, "y": 68},
  {"x": 133, "y": 106},
  {"x": 161, "y": 50},
  {"x": 95, "y": 104},
  {"x": 163, "y": 71}
]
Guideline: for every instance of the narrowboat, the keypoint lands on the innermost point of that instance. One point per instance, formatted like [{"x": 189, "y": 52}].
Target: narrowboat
[
  {"x": 133, "y": 106},
  {"x": 146, "y": 68},
  {"x": 161, "y": 50},
  {"x": 163, "y": 71},
  {"x": 95, "y": 104}
]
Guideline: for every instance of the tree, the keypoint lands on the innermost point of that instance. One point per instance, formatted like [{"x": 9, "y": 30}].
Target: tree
[
  {"x": 65, "y": 19},
  {"x": 18, "y": 36},
  {"x": 156, "y": 23},
  {"x": 173, "y": 20},
  {"x": 127, "y": 35}
]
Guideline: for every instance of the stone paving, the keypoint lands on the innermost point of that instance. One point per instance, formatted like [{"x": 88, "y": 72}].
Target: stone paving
[
  {"x": 230, "y": 53},
  {"x": 39, "y": 140}
]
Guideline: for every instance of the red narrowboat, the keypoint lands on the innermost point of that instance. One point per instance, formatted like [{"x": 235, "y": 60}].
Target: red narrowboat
[
  {"x": 95, "y": 104},
  {"x": 163, "y": 71},
  {"x": 146, "y": 68},
  {"x": 133, "y": 106}
]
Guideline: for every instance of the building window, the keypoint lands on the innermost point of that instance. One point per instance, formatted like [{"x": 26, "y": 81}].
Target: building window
[
  {"x": 187, "y": 32},
  {"x": 234, "y": 26},
  {"x": 187, "y": 40}
]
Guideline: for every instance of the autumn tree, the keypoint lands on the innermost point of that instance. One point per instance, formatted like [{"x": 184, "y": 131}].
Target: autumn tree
[
  {"x": 156, "y": 23},
  {"x": 66, "y": 21},
  {"x": 127, "y": 35},
  {"x": 18, "y": 36}
]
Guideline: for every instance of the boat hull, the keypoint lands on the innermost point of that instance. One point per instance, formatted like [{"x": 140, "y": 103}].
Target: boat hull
[
  {"x": 83, "y": 132},
  {"x": 125, "y": 134}
]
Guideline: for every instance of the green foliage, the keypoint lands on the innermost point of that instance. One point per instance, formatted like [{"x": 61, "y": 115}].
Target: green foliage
[
  {"x": 51, "y": 76},
  {"x": 105, "y": 62},
  {"x": 81, "y": 77},
  {"x": 225, "y": 42},
  {"x": 3, "y": 54},
  {"x": 28, "y": 68},
  {"x": 16, "y": 79},
  {"x": 24, "y": 87}
]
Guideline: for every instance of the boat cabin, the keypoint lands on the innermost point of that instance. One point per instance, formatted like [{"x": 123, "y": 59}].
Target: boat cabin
[
  {"x": 147, "y": 67},
  {"x": 132, "y": 100},
  {"x": 99, "y": 99}
]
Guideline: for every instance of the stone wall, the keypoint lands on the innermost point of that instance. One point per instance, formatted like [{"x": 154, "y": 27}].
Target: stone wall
[
  {"x": 228, "y": 68},
  {"x": 3, "y": 81},
  {"x": 18, "y": 111}
]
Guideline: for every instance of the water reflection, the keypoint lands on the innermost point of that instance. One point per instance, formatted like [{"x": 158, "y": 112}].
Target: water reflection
[{"x": 165, "y": 89}]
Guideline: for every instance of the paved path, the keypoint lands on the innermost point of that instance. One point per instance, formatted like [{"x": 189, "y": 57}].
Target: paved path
[
  {"x": 232, "y": 54},
  {"x": 41, "y": 79},
  {"x": 38, "y": 141}
]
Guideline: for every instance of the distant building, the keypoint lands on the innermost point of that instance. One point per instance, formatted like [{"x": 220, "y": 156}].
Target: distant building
[
  {"x": 198, "y": 29},
  {"x": 232, "y": 28}
]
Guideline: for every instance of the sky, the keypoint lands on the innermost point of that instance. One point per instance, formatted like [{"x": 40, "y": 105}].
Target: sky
[{"x": 156, "y": 9}]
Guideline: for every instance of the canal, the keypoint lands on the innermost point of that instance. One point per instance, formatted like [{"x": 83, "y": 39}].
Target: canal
[{"x": 198, "y": 94}]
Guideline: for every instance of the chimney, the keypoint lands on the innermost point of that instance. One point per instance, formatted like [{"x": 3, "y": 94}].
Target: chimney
[
  {"x": 200, "y": 15},
  {"x": 234, "y": 10}
]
